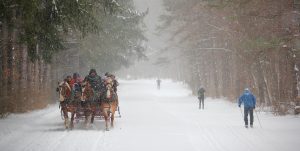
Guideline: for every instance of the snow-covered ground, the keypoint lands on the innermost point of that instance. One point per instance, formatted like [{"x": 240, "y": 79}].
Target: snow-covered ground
[{"x": 153, "y": 120}]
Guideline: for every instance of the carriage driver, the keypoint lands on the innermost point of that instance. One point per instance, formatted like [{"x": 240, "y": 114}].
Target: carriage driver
[{"x": 94, "y": 79}]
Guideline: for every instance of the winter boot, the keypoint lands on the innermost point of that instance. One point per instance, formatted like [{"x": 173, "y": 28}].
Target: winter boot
[{"x": 246, "y": 126}]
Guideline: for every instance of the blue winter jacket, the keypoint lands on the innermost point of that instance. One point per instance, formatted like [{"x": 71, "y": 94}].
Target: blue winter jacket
[{"x": 248, "y": 99}]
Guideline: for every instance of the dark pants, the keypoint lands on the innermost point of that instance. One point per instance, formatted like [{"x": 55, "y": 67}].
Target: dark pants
[
  {"x": 201, "y": 101},
  {"x": 248, "y": 110}
]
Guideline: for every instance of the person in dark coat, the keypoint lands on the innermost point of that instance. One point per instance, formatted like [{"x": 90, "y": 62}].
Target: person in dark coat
[
  {"x": 249, "y": 101},
  {"x": 201, "y": 92},
  {"x": 158, "y": 81},
  {"x": 94, "y": 80}
]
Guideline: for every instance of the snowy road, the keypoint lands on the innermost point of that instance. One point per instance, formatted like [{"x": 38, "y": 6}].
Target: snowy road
[{"x": 153, "y": 120}]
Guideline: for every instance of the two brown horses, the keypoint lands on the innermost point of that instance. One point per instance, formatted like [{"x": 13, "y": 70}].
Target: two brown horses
[{"x": 92, "y": 104}]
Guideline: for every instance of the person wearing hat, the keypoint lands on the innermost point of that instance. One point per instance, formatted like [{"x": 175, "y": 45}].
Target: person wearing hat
[
  {"x": 249, "y": 101},
  {"x": 94, "y": 79},
  {"x": 115, "y": 82},
  {"x": 75, "y": 84}
]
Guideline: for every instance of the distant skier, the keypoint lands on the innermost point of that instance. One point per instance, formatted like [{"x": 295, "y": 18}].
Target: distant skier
[
  {"x": 158, "y": 81},
  {"x": 249, "y": 101},
  {"x": 201, "y": 92}
]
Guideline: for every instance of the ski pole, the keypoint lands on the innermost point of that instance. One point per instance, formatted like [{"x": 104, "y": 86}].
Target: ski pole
[{"x": 258, "y": 118}]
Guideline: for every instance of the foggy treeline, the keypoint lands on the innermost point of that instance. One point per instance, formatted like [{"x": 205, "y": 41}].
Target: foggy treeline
[
  {"x": 42, "y": 41},
  {"x": 227, "y": 45}
]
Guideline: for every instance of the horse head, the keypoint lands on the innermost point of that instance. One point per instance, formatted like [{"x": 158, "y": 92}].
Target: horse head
[
  {"x": 87, "y": 92},
  {"x": 109, "y": 87},
  {"x": 64, "y": 91}
]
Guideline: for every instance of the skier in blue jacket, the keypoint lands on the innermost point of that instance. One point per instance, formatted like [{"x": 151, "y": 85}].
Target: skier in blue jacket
[{"x": 249, "y": 101}]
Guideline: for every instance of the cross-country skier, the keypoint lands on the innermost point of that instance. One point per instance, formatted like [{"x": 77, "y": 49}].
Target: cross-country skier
[{"x": 249, "y": 101}]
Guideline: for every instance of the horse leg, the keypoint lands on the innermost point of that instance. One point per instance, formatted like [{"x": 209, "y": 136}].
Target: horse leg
[
  {"x": 92, "y": 118},
  {"x": 106, "y": 123},
  {"x": 105, "y": 114},
  {"x": 87, "y": 118},
  {"x": 112, "y": 118},
  {"x": 72, "y": 120},
  {"x": 77, "y": 116},
  {"x": 66, "y": 118}
]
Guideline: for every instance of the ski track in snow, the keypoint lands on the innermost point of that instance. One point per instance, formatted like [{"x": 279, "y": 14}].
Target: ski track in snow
[{"x": 160, "y": 120}]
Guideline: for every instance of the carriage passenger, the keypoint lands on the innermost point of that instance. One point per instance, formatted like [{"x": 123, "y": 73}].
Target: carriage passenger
[
  {"x": 94, "y": 79},
  {"x": 68, "y": 79},
  {"x": 76, "y": 82},
  {"x": 115, "y": 83}
]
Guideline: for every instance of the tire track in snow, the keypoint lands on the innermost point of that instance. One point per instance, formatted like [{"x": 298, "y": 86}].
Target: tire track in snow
[
  {"x": 58, "y": 141},
  {"x": 238, "y": 134},
  {"x": 52, "y": 143},
  {"x": 24, "y": 124},
  {"x": 250, "y": 136},
  {"x": 211, "y": 136},
  {"x": 205, "y": 132},
  {"x": 100, "y": 142}
]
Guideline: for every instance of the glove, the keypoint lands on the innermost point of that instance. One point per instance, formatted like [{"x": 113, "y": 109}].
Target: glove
[{"x": 239, "y": 105}]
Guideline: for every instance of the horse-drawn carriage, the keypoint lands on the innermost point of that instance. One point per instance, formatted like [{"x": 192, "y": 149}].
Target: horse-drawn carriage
[{"x": 87, "y": 104}]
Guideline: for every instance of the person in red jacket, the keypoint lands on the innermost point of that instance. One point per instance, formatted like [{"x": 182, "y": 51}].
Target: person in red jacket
[
  {"x": 75, "y": 84},
  {"x": 76, "y": 80}
]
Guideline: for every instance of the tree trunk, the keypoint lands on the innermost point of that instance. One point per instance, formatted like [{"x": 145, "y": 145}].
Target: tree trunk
[
  {"x": 24, "y": 76},
  {"x": 4, "y": 65}
]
